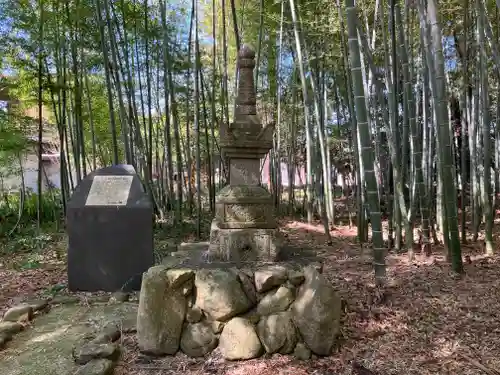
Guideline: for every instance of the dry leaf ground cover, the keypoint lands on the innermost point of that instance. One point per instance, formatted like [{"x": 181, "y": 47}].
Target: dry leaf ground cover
[{"x": 426, "y": 321}]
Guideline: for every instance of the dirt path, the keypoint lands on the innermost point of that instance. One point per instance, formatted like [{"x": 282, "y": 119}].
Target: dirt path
[{"x": 45, "y": 347}]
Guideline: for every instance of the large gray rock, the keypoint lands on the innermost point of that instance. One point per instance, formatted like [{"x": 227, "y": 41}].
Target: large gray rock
[
  {"x": 220, "y": 294},
  {"x": 198, "y": 339},
  {"x": 91, "y": 350},
  {"x": 266, "y": 278},
  {"x": 316, "y": 312},
  {"x": 109, "y": 333},
  {"x": 10, "y": 328},
  {"x": 239, "y": 340},
  {"x": 277, "y": 333},
  {"x": 248, "y": 287},
  {"x": 162, "y": 309},
  {"x": 275, "y": 301},
  {"x": 22, "y": 312},
  {"x": 4, "y": 339}
]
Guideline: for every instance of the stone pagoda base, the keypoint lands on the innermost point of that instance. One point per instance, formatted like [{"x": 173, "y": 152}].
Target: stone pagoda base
[{"x": 244, "y": 245}]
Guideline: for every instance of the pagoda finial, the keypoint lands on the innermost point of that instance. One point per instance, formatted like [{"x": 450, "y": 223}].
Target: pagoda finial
[{"x": 246, "y": 98}]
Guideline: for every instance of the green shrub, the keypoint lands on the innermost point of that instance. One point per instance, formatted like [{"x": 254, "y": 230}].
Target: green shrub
[{"x": 18, "y": 215}]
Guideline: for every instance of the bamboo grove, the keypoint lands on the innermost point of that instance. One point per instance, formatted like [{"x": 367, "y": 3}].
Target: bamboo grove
[{"x": 398, "y": 97}]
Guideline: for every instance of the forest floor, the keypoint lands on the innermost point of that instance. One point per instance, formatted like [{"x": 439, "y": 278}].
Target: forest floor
[{"x": 427, "y": 320}]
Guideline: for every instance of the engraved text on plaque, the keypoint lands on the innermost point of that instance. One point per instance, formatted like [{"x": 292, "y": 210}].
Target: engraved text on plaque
[{"x": 109, "y": 191}]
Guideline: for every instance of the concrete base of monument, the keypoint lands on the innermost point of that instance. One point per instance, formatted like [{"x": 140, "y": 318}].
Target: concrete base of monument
[
  {"x": 245, "y": 245},
  {"x": 241, "y": 313}
]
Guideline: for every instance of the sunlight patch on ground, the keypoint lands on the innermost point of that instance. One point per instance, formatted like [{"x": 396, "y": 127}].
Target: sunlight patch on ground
[
  {"x": 477, "y": 257},
  {"x": 338, "y": 231},
  {"x": 445, "y": 348},
  {"x": 48, "y": 336}
]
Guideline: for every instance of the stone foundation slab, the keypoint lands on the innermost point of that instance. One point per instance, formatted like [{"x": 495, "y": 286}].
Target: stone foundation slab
[{"x": 244, "y": 245}]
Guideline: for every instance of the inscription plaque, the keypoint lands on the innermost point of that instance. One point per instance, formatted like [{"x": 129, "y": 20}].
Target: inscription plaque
[{"x": 109, "y": 191}]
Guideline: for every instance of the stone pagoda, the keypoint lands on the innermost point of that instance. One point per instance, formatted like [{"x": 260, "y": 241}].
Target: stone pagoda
[{"x": 244, "y": 227}]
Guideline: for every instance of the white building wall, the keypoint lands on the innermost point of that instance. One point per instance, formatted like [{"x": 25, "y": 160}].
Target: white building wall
[{"x": 50, "y": 177}]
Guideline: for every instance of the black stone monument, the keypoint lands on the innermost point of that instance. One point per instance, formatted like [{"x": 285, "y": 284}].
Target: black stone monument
[{"x": 110, "y": 231}]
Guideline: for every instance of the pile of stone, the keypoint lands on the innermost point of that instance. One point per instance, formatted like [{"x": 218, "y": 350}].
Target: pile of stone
[
  {"x": 274, "y": 308},
  {"x": 16, "y": 317},
  {"x": 99, "y": 354}
]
